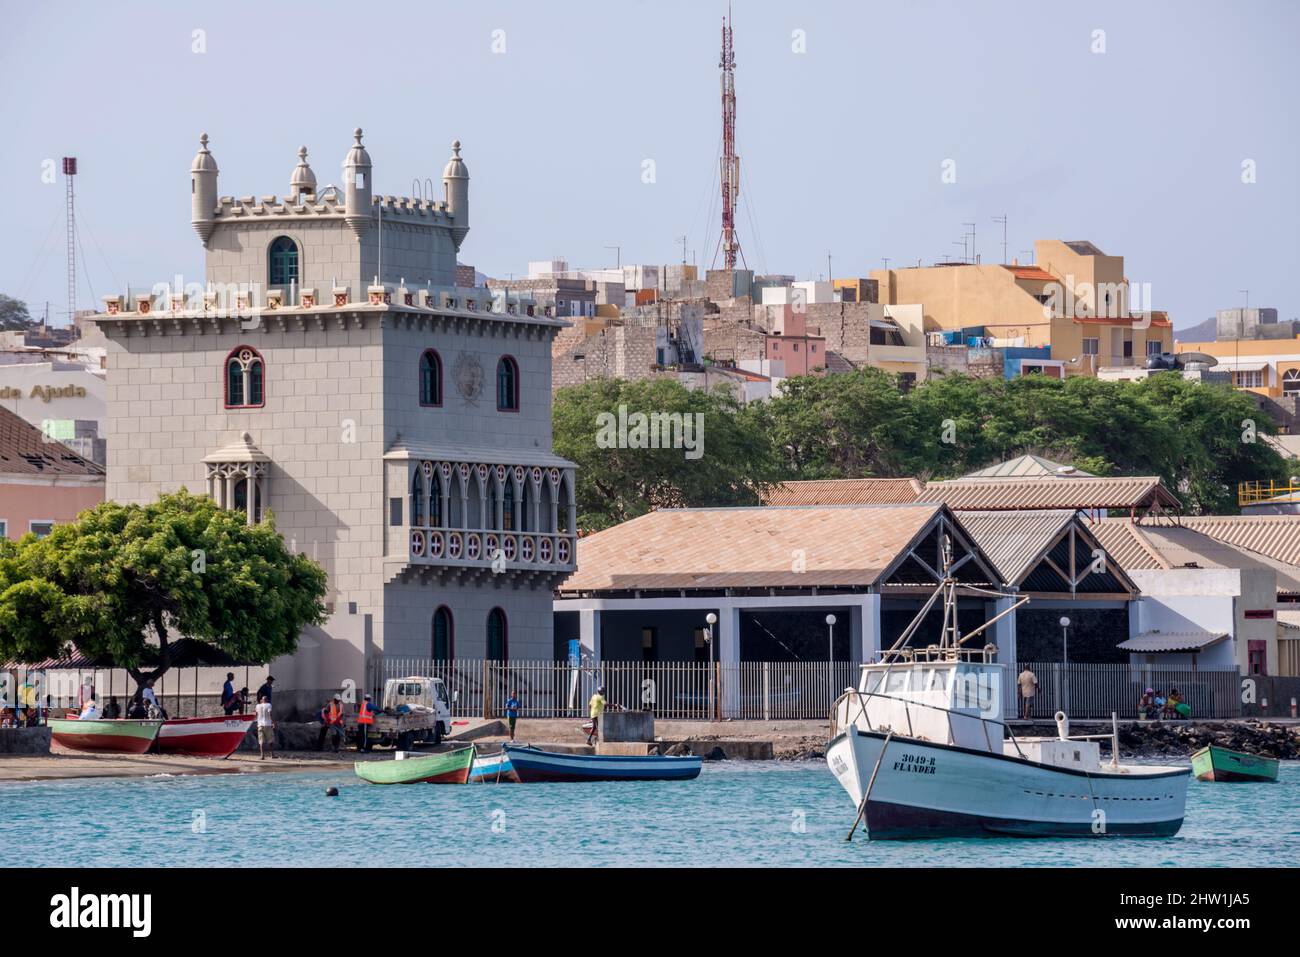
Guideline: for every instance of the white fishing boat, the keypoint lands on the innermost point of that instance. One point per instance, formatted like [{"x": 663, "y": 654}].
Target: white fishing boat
[{"x": 922, "y": 750}]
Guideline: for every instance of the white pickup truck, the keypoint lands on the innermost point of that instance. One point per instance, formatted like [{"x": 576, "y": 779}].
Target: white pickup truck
[{"x": 414, "y": 709}]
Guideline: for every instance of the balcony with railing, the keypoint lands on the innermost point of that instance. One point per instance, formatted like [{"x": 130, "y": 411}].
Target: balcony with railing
[{"x": 460, "y": 519}]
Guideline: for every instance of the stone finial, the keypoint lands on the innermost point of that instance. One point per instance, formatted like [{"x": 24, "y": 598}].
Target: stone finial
[{"x": 303, "y": 182}]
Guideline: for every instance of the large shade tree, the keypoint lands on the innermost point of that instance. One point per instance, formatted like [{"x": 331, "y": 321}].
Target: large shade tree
[{"x": 122, "y": 582}]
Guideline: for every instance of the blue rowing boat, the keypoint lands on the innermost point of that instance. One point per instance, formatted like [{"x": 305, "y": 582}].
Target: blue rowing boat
[
  {"x": 533, "y": 764},
  {"x": 492, "y": 769}
]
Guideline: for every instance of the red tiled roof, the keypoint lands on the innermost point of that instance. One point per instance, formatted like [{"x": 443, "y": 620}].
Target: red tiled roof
[
  {"x": 1030, "y": 272},
  {"x": 860, "y": 491},
  {"x": 25, "y": 450}
]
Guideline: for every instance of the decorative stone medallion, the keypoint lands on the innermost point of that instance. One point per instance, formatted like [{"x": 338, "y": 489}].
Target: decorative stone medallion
[{"x": 468, "y": 374}]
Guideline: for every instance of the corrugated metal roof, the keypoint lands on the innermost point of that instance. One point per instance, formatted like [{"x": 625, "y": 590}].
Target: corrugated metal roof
[
  {"x": 1015, "y": 540},
  {"x": 1182, "y": 546},
  {"x": 1172, "y": 641},
  {"x": 860, "y": 491},
  {"x": 1277, "y": 536},
  {"x": 1028, "y": 466},
  {"x": 1074, "y": 492},
  {"x": 748, "y": 547}
]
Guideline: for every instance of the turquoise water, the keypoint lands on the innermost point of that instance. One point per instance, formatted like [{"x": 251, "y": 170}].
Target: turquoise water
[{"x": 735, "y": 813}]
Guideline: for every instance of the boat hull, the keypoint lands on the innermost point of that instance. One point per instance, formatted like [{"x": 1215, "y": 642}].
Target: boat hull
[
  {"x": 493, "y": 769},
  {"x": 104, "y": 735},
  {"x": 1219, "y": 764},
  {"x": 533, "y": 765},
  {"x": 930, "y": 790},
  {"x": 450, "y": 767},
  {"x": 211, "y": 737}
]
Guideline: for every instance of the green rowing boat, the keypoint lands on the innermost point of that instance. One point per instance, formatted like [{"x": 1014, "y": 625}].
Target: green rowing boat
[
  {"x": 1213, "y": 763},
  {"x": 449, "y": 767}
]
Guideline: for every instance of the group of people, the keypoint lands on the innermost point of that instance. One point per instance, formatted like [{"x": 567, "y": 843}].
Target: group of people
[{"x": 1155, "y": 705}]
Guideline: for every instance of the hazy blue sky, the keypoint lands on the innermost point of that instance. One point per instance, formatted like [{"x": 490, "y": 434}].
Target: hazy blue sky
[{"x": 1138, "y": 149}]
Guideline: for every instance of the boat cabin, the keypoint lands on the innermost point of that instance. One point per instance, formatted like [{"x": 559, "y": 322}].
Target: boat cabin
[{"x": 935, "y": 694}]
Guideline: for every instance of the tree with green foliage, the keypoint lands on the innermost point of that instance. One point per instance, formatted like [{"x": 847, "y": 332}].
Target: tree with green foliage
[
  {"x": 13, "y": 314},
  {"x": 118, "y": 582},
  {"x": 622, "y": 475}
]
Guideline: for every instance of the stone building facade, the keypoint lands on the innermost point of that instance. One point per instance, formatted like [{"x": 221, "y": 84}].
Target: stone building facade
[{"x": 400, "y": 432}]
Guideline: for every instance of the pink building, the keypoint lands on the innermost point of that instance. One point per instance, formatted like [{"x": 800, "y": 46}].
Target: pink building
[
  {"x": 802, "y": 349},
  {"x": 42, "y": 482}
]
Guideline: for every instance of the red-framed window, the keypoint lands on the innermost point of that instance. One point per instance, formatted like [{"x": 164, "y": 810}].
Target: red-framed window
[{"x": 245, "y": 378}]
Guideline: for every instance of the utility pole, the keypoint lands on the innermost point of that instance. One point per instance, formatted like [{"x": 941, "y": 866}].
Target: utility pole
[
  {"x": 618, "y": 255},
  {"x": 682, "y": 240},
  {"x": 973, "y": 257},
  {"x": 1241, "y": 330}
]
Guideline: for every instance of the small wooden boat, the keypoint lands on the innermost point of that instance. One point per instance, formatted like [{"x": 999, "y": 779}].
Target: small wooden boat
[
  {"x": 1213, "y": 763},
  {"x": 533, "y": 764},
  {"x": 449, "y": 767},
  {"x": 493, "y": 769},
  {"x": 104, "y": 735},
  {"x": 212, "y": 737}
]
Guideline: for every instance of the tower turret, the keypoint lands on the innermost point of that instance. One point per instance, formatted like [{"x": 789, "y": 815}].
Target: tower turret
[
  {"x": 302, "y": 185},
  {"x": 203, "y": 191},
  {"x": 356, "y": 177},
  {"x": 455, "y": 183}
]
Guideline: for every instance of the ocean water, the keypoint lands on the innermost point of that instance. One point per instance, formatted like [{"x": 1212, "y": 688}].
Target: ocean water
[{"x": 767, "y": 814}]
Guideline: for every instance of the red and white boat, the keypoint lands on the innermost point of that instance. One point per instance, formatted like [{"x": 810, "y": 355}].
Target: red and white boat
[{"x": 213, "y": 737}]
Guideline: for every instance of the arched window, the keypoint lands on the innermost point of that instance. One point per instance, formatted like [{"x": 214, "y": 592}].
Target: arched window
[
  {"x": 245, "y": 374},
  {"x": 240, "y": 503},
  {"x": 508, "y": 507},
  {"x": 283, "y": 263},
  {"x": 417, "y": 498},
  {"x": 497, "y": 645},
  {"x": 526, "y": 513},
  {"x": 435, "y": 500},
  {"x": 444, "y": 635},
  {"x": 507, "y": 385},
  {"x": 430, "y": 378}
]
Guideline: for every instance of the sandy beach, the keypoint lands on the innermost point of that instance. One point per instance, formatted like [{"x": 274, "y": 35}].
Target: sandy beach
[{"x": 65, "y": 765}]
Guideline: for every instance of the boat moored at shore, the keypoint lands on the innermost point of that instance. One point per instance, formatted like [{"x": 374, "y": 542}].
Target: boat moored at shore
[
  {"x": 533, "y": 764},
  {"x": 921, "y": 749},
  {"x": 211, "y": 737},
  {"x": 1213, "y": 763},
  {"x": 448, "y": 767},
  {"x": 104, "y": 735}
]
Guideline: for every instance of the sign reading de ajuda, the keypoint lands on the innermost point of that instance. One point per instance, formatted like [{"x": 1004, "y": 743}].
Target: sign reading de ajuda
[{"x": 45, "y": 392}]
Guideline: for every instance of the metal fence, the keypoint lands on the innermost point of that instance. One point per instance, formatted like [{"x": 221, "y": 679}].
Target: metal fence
[
  {"x": 685, "y": 690},
  {"x": 1095, "y": 690}
]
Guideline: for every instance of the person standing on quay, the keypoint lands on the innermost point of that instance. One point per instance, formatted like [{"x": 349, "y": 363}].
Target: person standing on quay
[
  {"x": 512, "y": 711},
  {"x": 1028, "y": 682},
  {"x": 265, "y": 729},
  {"x": 596, "y": 707}
]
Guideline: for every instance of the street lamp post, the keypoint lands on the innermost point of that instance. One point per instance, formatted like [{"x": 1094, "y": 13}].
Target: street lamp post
[
  {"x": 1065, "y": 661},
  {"x": 830, "y": 637},
  {"x": 711, "y": 619}
]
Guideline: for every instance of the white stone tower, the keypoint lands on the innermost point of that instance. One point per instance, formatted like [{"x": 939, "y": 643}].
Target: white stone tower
[
  {"x": 203, "y": 191},
  {"x": 455, "y": 183},
  {"x": 356, "y": 177}
]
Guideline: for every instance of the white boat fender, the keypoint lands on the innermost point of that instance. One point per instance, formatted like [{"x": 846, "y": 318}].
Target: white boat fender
[{"x": 1063, "y": 726}]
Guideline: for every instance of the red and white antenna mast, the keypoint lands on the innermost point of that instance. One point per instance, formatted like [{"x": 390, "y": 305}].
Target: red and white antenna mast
[
  {"x": 730, "y": 161},
  {"x": 69, "y": 171}
]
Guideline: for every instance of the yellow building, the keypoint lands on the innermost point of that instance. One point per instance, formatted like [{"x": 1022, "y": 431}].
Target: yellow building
[
  {"x": 1269, "y": 367},
  {"x": 1075, "y": 300}
]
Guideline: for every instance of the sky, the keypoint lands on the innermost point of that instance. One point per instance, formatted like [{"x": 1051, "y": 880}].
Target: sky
[{"x": 593, "y": 125}]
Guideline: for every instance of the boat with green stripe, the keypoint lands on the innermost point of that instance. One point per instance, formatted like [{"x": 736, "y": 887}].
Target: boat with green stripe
[
  {"x": 1213, "y": 763},
  {"x": 447, "y": 767},
  {"x": 104, "y": 735}
]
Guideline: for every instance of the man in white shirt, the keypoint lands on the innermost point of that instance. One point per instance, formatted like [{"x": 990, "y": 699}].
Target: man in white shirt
[
  {"x": 151, "y": 700},
  {"x": 265, "y": 729},
  {"x": 91, "y": 710}
]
